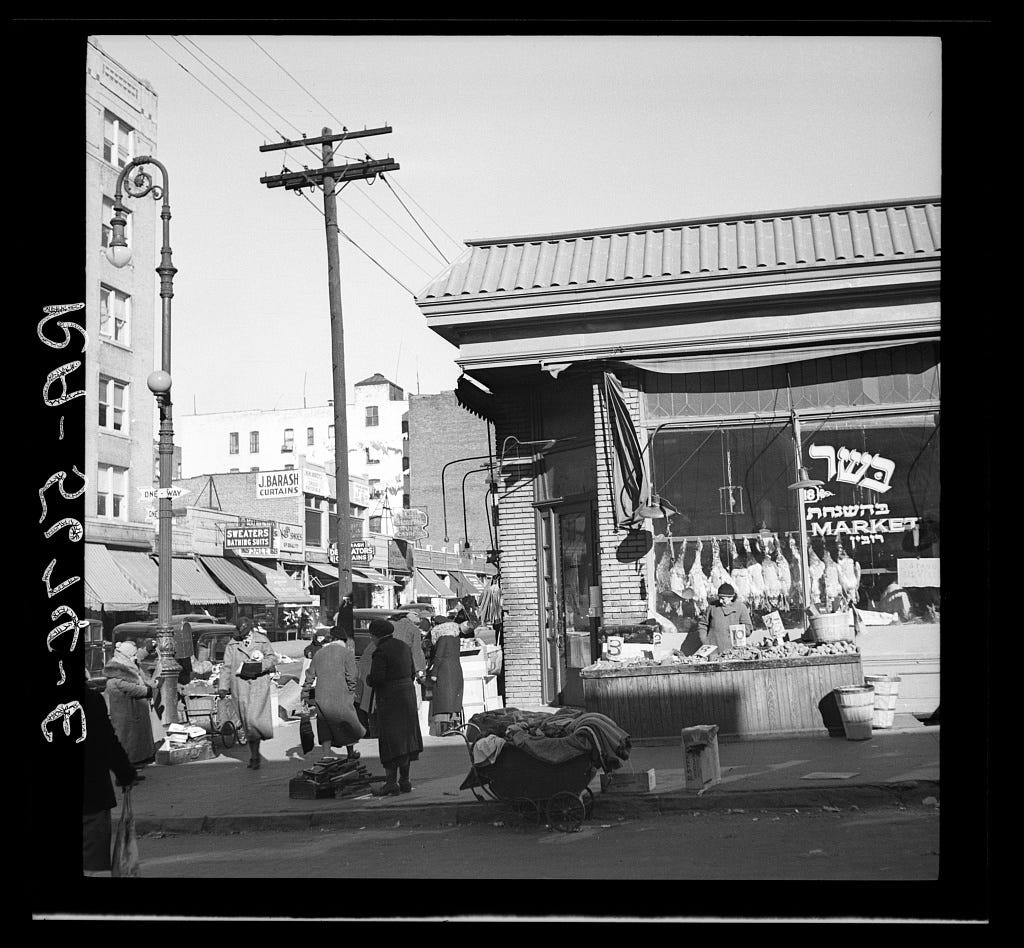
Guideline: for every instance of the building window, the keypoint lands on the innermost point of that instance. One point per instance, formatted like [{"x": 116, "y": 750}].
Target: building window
[
  {"x": 375, "y": 490},
  {"x": 233, "y": 442},
  {"x": 106, "y": 231},
  {"x": 111, "y": 492},
  {"x": 314, "y": 527},
  {"x": 289, "y": 440},
  {"x": 254, "y": 442},
  {"x": 117, "y": 140},
  {"x": 115, "y": 314},
  {"x": 253, "y": 470},
  {"x": 371, "y": 416},
  {"x": 309, "y": 436},
  {"x": 113, "y": 402},
  {"x": 395, "y": 394}
]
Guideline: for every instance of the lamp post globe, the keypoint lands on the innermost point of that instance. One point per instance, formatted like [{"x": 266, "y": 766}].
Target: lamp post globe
[
  {"x": 119, "y": 256},
  {"x": 159, "y": 382}
]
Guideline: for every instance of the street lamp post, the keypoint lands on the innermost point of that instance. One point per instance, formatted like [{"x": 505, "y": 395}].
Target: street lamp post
[{"x": 137, "y": 183}]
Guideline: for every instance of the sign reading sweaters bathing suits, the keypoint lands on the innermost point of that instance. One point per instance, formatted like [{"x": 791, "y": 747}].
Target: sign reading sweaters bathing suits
[
  {"x": 278, "y": 484},
  {"x": 252, "y": 539}
]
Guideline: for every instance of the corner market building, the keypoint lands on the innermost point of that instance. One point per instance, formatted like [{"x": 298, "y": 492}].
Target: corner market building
[{"x": 706, "y": 338}]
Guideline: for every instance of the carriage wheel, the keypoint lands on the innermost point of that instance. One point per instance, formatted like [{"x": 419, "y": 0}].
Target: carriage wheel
[
  {"x": 228, "y": 734},
  {"x": 588, "y": 801},
  {"x": 526, "y": 809},
  {"x": 566, "y": 812}
]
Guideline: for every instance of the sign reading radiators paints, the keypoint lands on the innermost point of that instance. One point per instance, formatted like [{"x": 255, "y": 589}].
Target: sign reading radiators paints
[{"x": 278, "y": 484}]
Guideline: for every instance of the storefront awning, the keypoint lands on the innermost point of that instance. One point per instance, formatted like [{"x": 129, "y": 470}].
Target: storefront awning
[
  {"x": 432, "y": 585},
  {"x": 372, "y": 576},
  {"x": 323, "y": 574},
  {"x": 466, "y": 583},
  {"x": 247, "y": 590},
  {"x": 106, "y": 586},
  {"x": 141, "y": 570},
  {"x": 191, "y": 583},
  {"x": 286, "y": 590}
]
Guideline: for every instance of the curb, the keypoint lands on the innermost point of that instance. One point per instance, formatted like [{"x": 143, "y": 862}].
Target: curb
[{"x": 613, "y": 804}]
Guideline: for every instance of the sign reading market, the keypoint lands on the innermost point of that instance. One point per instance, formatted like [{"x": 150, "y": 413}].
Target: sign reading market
[{"x": 278, "y": 484}]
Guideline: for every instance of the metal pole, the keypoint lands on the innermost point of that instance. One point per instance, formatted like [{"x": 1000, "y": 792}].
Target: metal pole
[
  {"x": 805, "y": 578},
  {"x": 344, "y": 525}
]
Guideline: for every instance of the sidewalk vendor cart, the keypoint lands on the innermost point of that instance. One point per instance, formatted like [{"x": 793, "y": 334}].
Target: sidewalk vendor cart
[
  {"x": 217, "y": 714},
  {"x": 557, "y": 789}
]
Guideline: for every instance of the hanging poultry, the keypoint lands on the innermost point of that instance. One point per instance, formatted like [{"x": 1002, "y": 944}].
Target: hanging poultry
[
  {"x": 719, "y": 574},
  {"x": 772, "y": 583},
  {"x": 698, "y": 580},
  {"x": 816, "y": 570},
  {"x": 677, "y": 574},
  {"x": 849, "y": 574},
  {"x": 756, "y": 574},
  {"x": 662, "y": 573},
  {"x": 833, "y": 588},
  {"x": 740, "y": 574},
  {"x": 792, "y": 565}
]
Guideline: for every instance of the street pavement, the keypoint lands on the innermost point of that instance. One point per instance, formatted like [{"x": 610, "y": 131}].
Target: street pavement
[{"x": 897, "y": 766}]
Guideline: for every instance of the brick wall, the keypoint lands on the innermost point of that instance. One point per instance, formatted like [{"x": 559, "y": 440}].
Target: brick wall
[
  {"x": 517, "y": 532},
  {"x": 620, "y": 581},
  {"x": 237, "y": 495}
]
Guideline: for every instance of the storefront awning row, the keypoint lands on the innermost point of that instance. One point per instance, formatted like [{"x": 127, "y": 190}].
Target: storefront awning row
[
  {"x": 428, "y": 583},
  {"x": 189, "y": 582},
  {"x": 106, "y": 586},
  {"x": 365, "y": 575},
  {"x": 247, "y": 590},
  {"x": 286, "y": 590}
]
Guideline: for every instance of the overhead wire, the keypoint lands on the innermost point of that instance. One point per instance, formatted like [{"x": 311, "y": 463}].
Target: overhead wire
[{"x": 418, "y": 224}]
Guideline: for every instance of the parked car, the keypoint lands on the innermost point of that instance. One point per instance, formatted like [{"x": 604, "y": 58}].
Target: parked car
[
  {"x": 361, "y": 619},
  {"x": 186, "y": 628},
  {"x": 97, "y": 654},
  {"x": 423, "y": 608}
]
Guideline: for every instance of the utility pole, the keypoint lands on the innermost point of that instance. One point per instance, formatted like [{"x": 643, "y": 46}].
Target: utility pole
[{"x": 328, "y": 177}]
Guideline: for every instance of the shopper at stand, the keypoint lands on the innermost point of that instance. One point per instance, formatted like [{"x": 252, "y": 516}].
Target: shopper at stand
[
  {"x": 128, "y": 691},
  {"x": 102, "y": 753},
  {"x": 333, "y": 670},
  {"x": 445, "y": 674},
  {"x": 250, "y": 686},
  {"x": 394, "y": 700},
  {"x": 713, "y": 626},
  {"x": 407, "y": 631}
]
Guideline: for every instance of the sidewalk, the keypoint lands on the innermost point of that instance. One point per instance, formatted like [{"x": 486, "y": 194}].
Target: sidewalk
[{"x": 899, "y": 765}]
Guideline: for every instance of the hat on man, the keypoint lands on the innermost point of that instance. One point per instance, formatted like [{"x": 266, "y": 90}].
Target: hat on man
[
  {"x": 381, "y": 627},
  {"x": 726, "y": 590}
]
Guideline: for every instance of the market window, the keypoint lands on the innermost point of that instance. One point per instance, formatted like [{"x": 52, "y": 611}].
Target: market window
[
  {"x": 232, "y": 442},
  {"x": 106, "y": 231},
  {"x": 111, "y": 491},
  {"x": 289, "y": 440},
  {"x": 113, "y": 400},
  {"x": 115, "y": 314},
  {"x": 254, "y": 442},
  {"x": 309, "y": 436},
  {"x": 118, "y": 138},
  {"x": 371, "y": 416}
]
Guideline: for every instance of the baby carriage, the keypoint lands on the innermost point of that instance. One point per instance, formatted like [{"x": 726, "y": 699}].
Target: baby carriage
[{"x": 217, "y": 714}]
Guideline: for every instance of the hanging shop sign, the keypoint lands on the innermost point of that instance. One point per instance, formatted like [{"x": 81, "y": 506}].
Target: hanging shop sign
[
  {"x": 250, "y": 540},
  {"x": 278, "y": 484},
  {"x": 288, "y": 538},
  {"x": 332, "y": 553},
  {"x": 149, "y": 493},
  {"x": 410, "y": 523},
  {"x": 362, "y": 553}
]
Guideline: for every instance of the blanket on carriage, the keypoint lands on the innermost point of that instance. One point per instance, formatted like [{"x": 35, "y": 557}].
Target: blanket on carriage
[{"x": 552, "y": 738}]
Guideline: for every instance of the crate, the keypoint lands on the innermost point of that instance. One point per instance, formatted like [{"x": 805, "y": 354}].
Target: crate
[{"x": 199, "y": 749}]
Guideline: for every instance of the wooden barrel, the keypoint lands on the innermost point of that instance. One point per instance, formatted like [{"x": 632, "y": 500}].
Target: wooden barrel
[
  {"x": 886, "y": 691},
  {"x": 857, "y": 707},
  {"x": 834, "y": 627}
]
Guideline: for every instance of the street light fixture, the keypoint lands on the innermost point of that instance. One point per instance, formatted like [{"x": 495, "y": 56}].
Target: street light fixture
[{"x": 137, "y": 183}]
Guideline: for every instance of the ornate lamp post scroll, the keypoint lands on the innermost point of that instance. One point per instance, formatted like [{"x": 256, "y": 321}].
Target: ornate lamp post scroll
[{"x": 137, "y": 183}]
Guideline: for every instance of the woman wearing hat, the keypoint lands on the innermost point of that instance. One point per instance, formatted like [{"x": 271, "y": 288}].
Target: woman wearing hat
[
  {"x": 394, "y": 698},
  {"x": 128, "y": 691},
  {"x": 333, "y": 670},
  {"x": 445, "y": 672},
  {"x": 245, "y": 675},
  {"x": 713, "y": 626}
]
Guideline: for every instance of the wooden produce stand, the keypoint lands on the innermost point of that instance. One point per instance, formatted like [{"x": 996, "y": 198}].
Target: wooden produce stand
[{"x": 746, "y": 699}]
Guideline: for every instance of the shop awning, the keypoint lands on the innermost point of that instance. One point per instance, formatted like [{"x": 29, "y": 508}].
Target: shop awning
[
  {"x": 286, "y": 590},
  {"x": 372, "y": 576},
  {"x": 466, "y": 584},
  {"x": 191, "y": 583},
  {"x": 432, "y": 585},
  {"x": 246, "y": 589},
  {"x": 323, "y": 574},
  {"x": 141, "y": 570},
  {"x": 106, "y": 586},
  {"x": 630, "y": 483}
]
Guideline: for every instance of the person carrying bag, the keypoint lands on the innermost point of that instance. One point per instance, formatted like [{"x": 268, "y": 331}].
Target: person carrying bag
[{"x": 125, "y": 861}]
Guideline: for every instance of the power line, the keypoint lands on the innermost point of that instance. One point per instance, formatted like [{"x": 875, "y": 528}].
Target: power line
[
  {"x": 418, "y": 224},
  {"x": 457, "y": 243}
]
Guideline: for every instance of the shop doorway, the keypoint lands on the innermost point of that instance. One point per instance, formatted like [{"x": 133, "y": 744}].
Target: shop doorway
[{"x": 567, "y": 574}]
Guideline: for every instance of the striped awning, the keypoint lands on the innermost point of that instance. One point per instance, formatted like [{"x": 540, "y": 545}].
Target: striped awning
[
  {"x": 471, "y": 585},
  {"x": 247, "y": 590},
  {"x": 107, "y": 586},
  {"x": 191, "y": 583},
  {"x": 372, "y": 576},
  {"x": 432, "y": 585},
  {"x": 286, "y": 590},
  {"x": 141, "y": 570}
]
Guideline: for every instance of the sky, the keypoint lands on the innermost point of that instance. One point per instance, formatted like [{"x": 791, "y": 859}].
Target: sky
[{"x": 496, "y": 136}]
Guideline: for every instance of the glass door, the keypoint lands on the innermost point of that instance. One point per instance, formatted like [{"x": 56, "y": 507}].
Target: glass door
[{"x": 576, "y": 576}]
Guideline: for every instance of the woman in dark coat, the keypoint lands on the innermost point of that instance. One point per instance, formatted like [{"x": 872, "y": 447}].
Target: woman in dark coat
[
  {"x": 333, "y": 670},
  {"x": 128, "y": 692},
  {"x": 394, "y": 699},
  {"x": 445, "y": 674}
]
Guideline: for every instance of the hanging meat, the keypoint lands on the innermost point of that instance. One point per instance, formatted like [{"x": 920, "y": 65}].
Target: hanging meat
[
  {"x": 662, "y": 574},
  {"x": 698, "y": 580},
  {"x": 833, "y": 589},
  {"x": 756, "y": 574},
  {"x": 740, "y": 574},
  {"x": 719, "y": 574},
  {"x": 792, "y": 561},
  {"x": 677, "y": 574},
  {"x": 816, "y": 570},
  {"x": 849, "y": 574},
  {"x": 772, "y": 583}
]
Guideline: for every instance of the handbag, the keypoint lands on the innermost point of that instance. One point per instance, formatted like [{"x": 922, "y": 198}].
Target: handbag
[
  {"x": 306, "y": 734},
  {"x": 427, "y": 689},
  {"x": 125, "y": 861}
]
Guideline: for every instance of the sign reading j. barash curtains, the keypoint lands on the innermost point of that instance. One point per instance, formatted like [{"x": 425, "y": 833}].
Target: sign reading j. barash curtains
[
  {"x": 278, "y": 484},
  {"x": 861, "y": 522}
]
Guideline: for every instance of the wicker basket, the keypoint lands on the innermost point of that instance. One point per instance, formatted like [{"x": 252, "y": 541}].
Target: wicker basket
[{"x": 834, "y": 627}]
